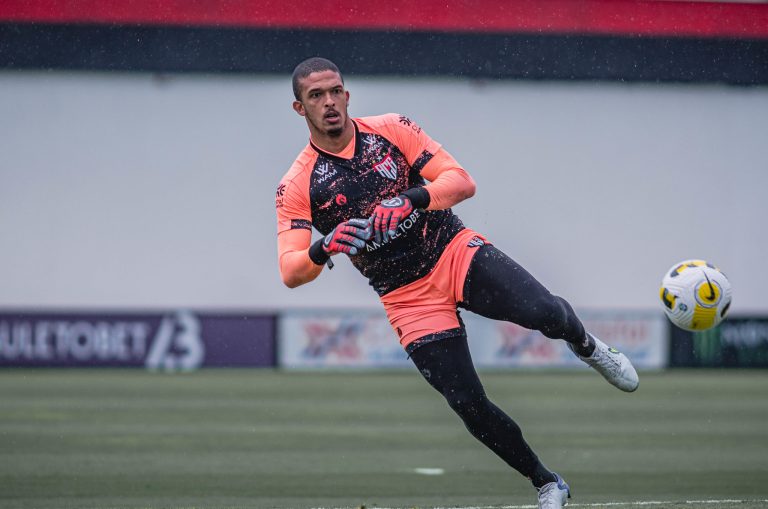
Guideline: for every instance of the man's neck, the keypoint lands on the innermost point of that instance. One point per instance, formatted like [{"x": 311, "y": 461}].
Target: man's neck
[{"x": 334, "y": 144}]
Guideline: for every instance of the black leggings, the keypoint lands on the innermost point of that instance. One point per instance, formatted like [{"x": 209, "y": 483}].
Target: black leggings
[
  {"x": 447, "y": 366},
  {"x": 497, "y": 288}
]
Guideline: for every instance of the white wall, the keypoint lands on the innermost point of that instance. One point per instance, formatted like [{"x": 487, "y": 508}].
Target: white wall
[{"x": 133, "y": 190}]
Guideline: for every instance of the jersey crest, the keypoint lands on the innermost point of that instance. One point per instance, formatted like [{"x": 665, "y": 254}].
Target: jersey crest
[{"x": 386, "y": 168}]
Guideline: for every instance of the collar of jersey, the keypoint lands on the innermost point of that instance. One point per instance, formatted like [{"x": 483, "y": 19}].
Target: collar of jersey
[{"x": 358, "y": 147}]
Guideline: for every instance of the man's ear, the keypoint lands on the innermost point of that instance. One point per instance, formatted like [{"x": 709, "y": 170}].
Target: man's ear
[{"x": 298, "y": 107}]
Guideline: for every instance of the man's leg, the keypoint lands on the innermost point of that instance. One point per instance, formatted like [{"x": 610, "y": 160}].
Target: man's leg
[
  {"x": 497, "y": 287},
  {"x": 447, "y": 366}
]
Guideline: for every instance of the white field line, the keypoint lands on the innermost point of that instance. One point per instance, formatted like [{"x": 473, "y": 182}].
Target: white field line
[{"x": 637, "y": 503}]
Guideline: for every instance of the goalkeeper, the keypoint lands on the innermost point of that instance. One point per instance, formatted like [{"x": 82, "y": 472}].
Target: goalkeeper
[{"x": 379, "y": 190}]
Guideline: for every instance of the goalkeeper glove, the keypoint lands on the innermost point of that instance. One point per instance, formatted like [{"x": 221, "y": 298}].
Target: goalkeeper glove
[
  {"x": 389, "y": 213},
  {"x": 348, "y": 237}
]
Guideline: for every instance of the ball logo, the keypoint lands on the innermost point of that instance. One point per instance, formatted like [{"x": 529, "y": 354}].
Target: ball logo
[{"x": 708, "y": 293}]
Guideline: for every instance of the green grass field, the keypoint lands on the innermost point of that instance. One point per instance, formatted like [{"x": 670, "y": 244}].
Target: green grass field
[{"x": 263, "y": 438}]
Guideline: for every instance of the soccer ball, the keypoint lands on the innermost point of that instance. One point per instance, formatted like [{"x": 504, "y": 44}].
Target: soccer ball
[{"x": 695, "y": 294}]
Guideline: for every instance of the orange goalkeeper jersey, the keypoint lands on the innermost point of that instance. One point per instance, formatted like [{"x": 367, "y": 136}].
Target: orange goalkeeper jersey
[{"x": 384, "y": 158}]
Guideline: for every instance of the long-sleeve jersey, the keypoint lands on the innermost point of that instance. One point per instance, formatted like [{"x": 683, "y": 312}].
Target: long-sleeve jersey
[{"x": 387, "y": 155}]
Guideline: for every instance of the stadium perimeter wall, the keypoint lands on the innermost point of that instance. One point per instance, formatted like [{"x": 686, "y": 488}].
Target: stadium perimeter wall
[
  {"x": 184, "y": 340},
  {"x": 152, "y": 191}
]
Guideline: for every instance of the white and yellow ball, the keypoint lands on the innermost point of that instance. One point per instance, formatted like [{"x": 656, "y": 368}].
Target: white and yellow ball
[{"x": 695, "y": 294}]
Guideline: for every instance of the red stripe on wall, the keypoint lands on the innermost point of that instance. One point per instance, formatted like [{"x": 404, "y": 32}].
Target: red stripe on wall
[{"x": 612, "y": 17}]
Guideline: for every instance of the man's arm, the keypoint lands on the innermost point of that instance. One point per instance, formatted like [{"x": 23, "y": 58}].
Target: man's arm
[
  {"x": 301, "y": 262},
  {"x": 296, "y": 267},
  {"x": 294, "y": 229},
  {"x": 449, "y": 183}
]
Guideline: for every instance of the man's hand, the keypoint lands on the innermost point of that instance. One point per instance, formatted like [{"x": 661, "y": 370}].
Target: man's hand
[
  {"x": 348, "y": 237},
  {"x": 388, "y": 215}
]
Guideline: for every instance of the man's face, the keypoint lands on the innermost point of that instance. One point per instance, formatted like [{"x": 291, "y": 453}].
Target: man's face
[{"x": 323, "y": 103}]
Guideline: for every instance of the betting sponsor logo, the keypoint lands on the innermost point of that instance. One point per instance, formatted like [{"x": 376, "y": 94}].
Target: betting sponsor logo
[
  {"x": 402, "y": 228},
  {"x": 80, "y": 340},
  {"x": 176, "y": 340},
  {"x": 387, "y": 168},
  {"x": 178, "y": 344}
]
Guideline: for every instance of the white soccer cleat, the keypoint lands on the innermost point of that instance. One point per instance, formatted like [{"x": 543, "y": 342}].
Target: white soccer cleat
[
  {"x": 554, "y": 495},
  {"x": 612, "y": 364}
]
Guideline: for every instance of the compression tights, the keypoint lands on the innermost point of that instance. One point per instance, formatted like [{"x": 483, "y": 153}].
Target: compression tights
[
  {"x": 497, "y": 288},
  {"x": 447, "y": 366}
]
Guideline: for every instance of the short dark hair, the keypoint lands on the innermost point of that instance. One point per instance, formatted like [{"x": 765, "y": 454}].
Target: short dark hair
[{"x": 307, "y": 67}]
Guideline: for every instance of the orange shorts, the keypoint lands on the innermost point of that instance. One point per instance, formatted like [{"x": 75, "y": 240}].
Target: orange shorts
[{"x": 425, "y": 310}]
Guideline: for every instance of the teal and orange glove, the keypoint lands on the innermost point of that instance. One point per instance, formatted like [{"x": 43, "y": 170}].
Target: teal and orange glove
[{"x": 348, "y": 237}]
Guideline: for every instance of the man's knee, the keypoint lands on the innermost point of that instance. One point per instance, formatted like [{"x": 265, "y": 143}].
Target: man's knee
[{"x": 550, "y": 315}]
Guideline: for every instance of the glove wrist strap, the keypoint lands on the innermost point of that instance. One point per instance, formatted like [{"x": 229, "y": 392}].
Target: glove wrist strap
[
  {"x": 317, "y": 253},
  {"x": 419, "y": 197}
]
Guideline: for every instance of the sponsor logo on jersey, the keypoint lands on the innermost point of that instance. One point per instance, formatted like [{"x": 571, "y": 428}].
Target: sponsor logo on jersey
[
  {"x": 279, "y": 195},
  {"x": 402, "y": 228},
  {"x": 476, "y": 242},
  {"x": 325, "y": 172},
  {"x": 301, "y": 224},
  {"x": 341, "y": 200},
  {"x": 373, "y": 142},
  {"x": 409, "y": 123},
  {"x": 387, "y": 168}
]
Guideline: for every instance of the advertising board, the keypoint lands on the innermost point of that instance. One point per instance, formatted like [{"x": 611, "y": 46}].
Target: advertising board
[
  {"x": 174, "y": 340},
  {"x": 359, "y": 339}
]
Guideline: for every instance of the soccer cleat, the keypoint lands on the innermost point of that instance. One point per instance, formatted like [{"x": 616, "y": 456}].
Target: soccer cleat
[
  {"x": 612, "y": 364},
  {"x": 554, "y": 495}
]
